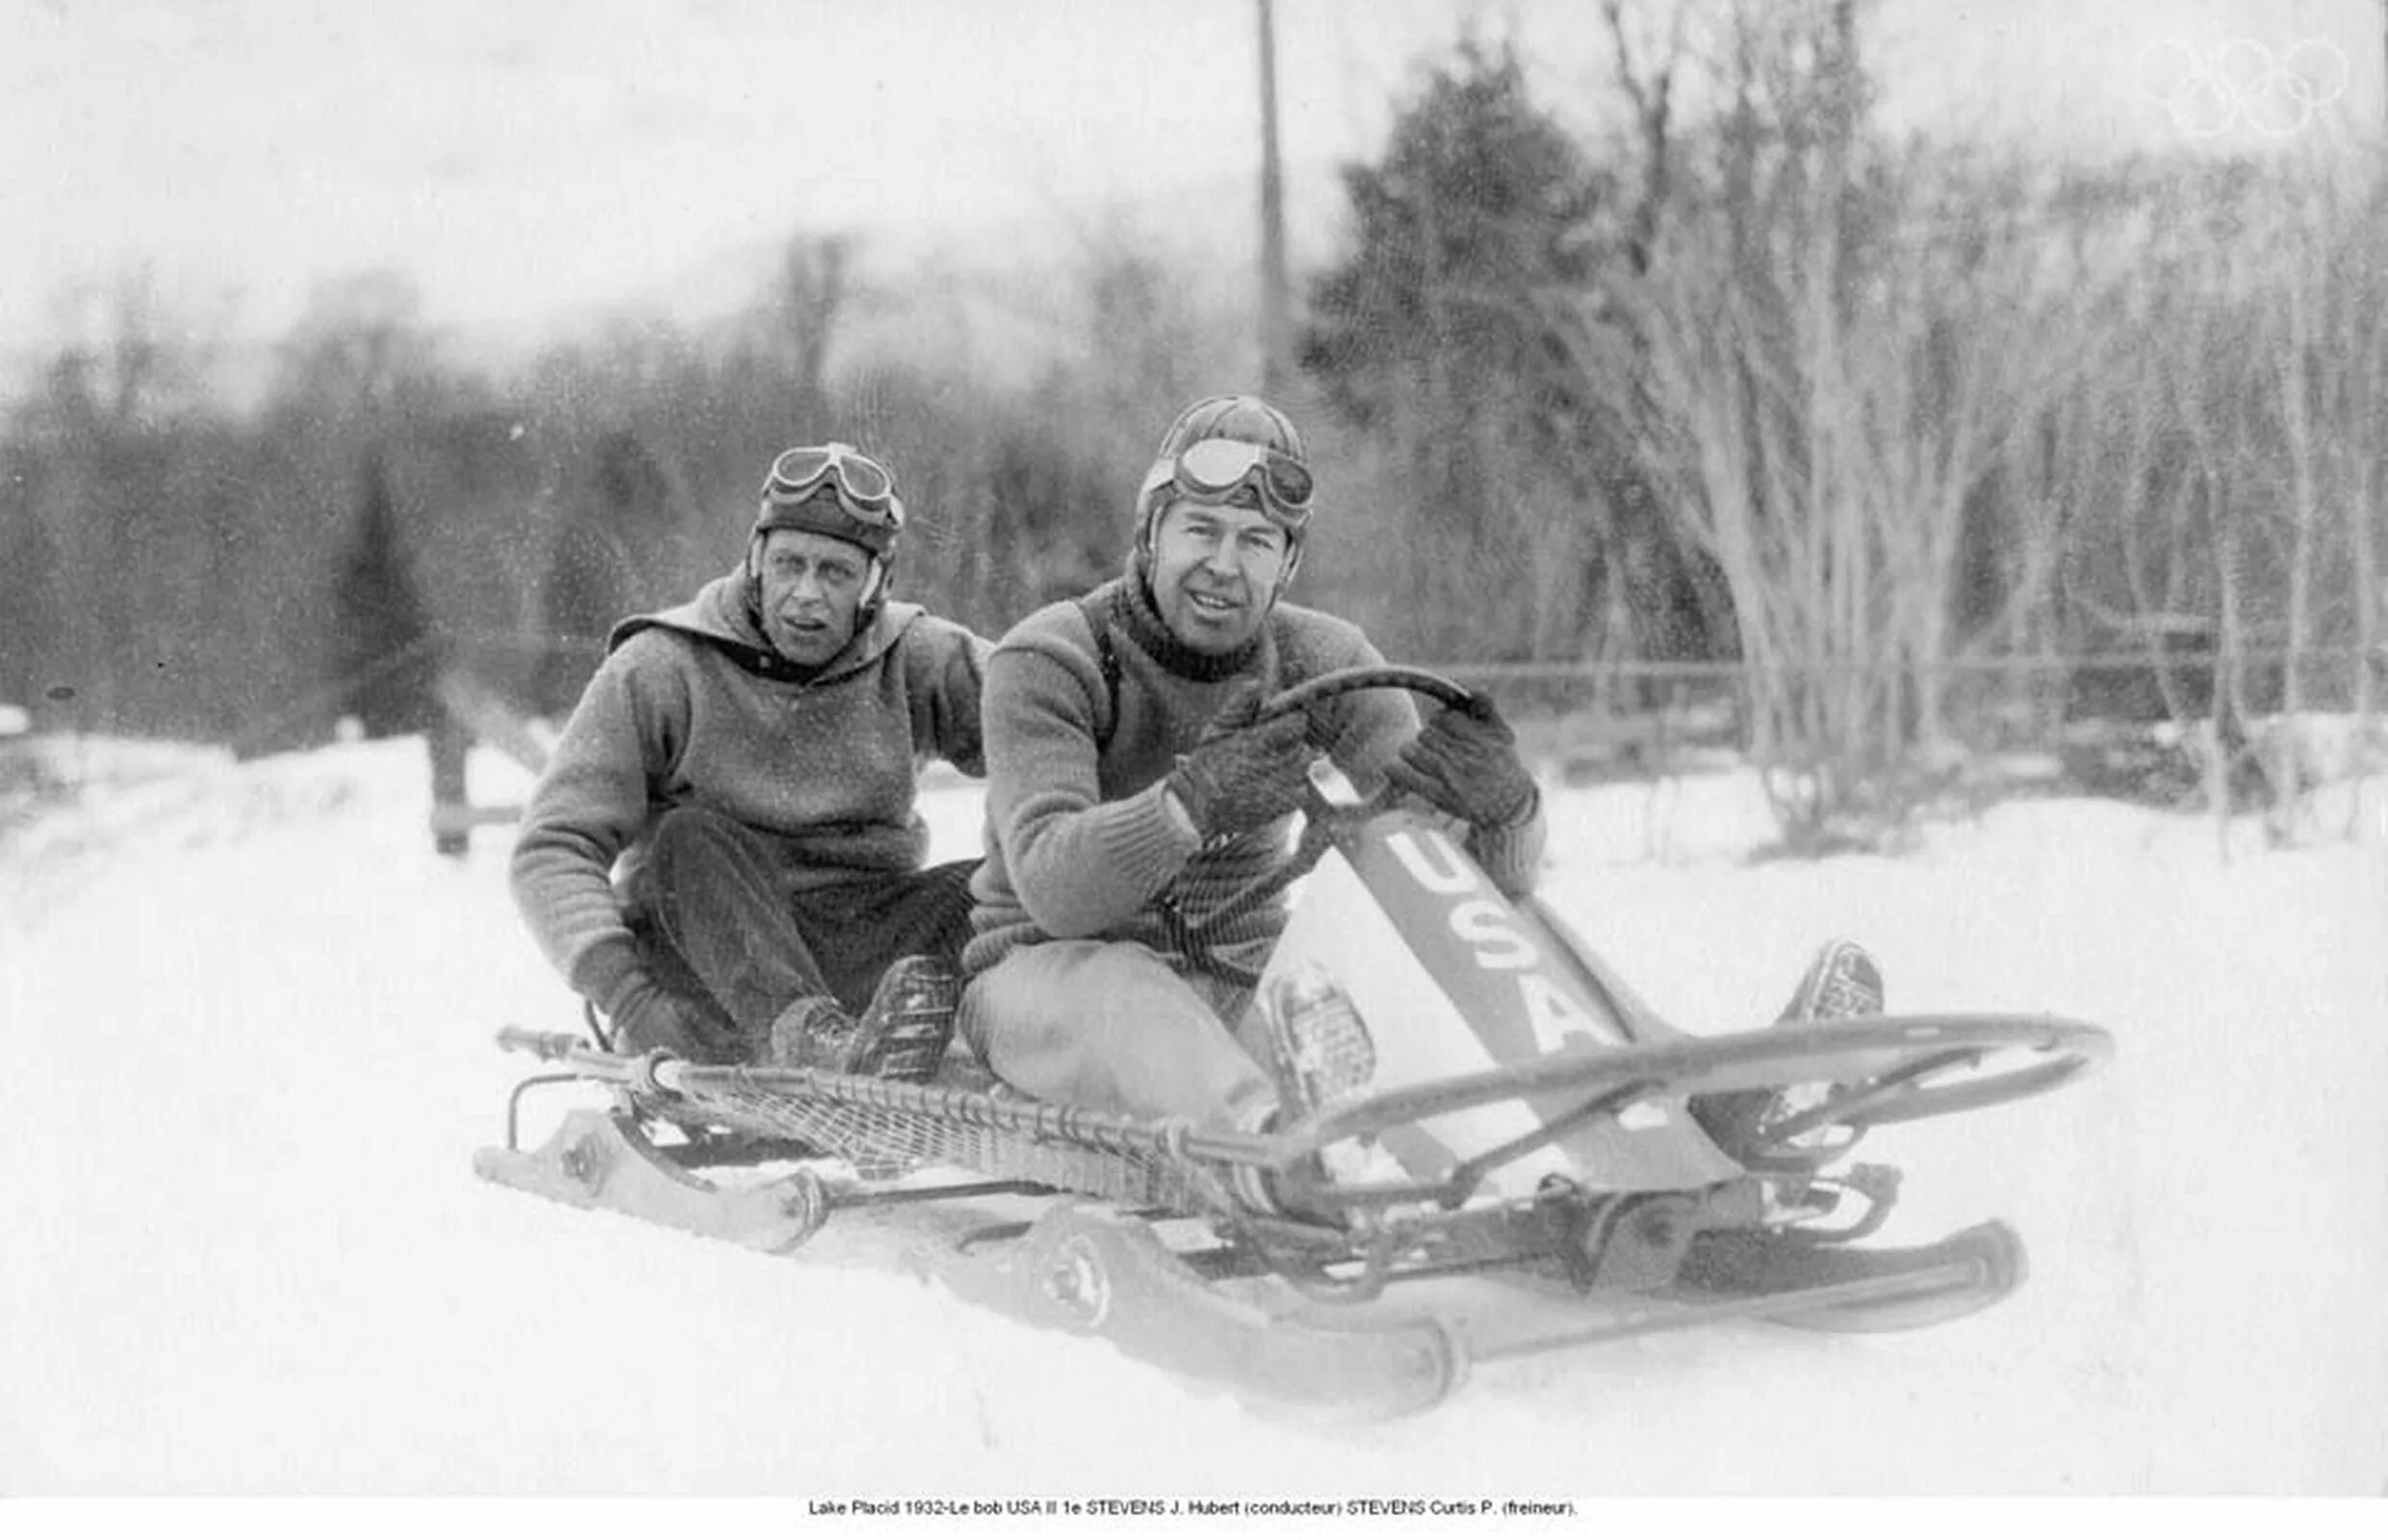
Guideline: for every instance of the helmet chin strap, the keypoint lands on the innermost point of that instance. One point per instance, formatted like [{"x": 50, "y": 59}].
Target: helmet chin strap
[{"x": 875, "y": 597}]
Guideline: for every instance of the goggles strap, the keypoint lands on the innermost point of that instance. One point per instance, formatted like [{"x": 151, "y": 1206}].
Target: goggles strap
[{"x": 884, "y": 515}]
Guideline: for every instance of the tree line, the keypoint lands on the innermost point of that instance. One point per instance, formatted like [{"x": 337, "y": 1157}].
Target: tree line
[{"x": 1930, "y": 445}]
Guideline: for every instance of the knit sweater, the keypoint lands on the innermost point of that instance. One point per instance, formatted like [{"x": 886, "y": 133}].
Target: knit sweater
[
  {"x": 693, "y": 707},
  {"x": 1079, "y": 842}
]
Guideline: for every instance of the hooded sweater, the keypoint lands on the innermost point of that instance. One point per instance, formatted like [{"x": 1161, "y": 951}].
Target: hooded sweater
[
  {"x": 1080, "y": 843},
  {"x": 693, "y": 707}
]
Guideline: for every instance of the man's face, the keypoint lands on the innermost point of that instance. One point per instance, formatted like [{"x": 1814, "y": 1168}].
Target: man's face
[
  {"x": 1215, "y": 571},
  {"x": 813, "y": 587}
]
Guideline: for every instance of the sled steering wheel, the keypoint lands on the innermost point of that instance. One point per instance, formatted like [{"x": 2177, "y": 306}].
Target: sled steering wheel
[
  {"x": 1373, "y": 677},
  {"x": 1321, "y": 817},
  {"x": 1347, "y": 682}
]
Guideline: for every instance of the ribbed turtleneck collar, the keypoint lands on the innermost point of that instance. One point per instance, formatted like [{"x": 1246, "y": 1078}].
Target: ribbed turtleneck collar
[{"x": 1132, "y": 609}]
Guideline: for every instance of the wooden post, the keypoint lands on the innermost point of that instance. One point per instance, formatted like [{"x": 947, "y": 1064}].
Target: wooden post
[
  {"x": 450, "y": 743},
  {"x": 1275, "y": 307},
  {"x": 471, "y": 712}
]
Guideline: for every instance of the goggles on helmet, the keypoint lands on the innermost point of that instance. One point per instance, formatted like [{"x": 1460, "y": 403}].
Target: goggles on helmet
[
  {"x": 1215, "y": 470},
  {"x": 864, "y": 487}
]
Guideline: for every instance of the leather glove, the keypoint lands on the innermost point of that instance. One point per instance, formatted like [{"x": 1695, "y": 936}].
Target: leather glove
[
  {"x": 1239, "y": 776},
  {"x": 641, "y": 1014},
  {"x": 645, "y": 1015},
  {"x": 1465, "y": 763}
]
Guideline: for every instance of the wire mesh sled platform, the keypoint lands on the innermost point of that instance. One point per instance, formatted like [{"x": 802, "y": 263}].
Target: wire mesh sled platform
[{"x": 1355, "y": 1297}]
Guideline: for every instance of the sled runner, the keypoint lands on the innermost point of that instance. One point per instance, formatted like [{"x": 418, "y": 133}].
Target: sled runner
[{"x": 1498, "y": 1156}]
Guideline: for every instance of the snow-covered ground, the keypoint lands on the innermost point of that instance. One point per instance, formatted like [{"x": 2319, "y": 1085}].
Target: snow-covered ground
[{"x": 248, "y": 1014}]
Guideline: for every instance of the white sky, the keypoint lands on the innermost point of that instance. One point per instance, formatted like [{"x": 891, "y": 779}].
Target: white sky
[{"x": 527, "y": 161}]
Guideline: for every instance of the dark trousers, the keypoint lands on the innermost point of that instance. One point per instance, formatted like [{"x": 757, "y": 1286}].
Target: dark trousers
[{"x": 717, "y": 914}]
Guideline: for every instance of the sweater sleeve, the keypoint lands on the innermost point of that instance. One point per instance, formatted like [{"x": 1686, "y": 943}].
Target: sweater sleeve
[
  {"x": 1078, "y": 865},
  {"x": 624, "y": 736}
]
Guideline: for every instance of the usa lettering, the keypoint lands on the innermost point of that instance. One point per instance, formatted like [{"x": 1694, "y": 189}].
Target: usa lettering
[{"x": 1495, "y": 939}]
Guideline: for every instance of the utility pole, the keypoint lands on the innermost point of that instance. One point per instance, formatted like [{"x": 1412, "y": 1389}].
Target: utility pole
[{"x": 1277, "y": 324}]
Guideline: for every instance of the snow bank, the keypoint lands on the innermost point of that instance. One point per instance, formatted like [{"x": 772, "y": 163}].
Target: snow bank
[{"x": 248, "y": 1013}]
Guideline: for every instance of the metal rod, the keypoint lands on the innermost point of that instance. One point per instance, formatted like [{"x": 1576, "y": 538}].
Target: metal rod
[
  {"x": 514, "y": 1104},
  {"x": 1938, "y": 1278},
  {"x": 894, "y": 1197},
  {"x": 1687, "y": 1058},
  {"x": 1840, "y": 1108},
  {"x": 1466, "y": 1175}
]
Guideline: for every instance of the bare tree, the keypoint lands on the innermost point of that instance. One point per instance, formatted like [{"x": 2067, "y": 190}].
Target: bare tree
[
  {"x": 807, "y": 304},
  {"x": 1647, "y": 71},
  {"x": 1826, "y": 357},
  {"x": 361, "y": 338}
]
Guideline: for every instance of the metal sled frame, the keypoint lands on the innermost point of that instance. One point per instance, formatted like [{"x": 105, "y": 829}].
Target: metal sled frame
[
  {"x": 1313, "y": 1312},
  {"x": 1341, "y": 1298}
]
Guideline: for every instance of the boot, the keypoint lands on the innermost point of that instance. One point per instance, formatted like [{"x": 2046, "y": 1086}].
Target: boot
[
  {"x": 1319, "y": 1052},
  {"x": 910, "y": 1022},
  {"x": 1843, "y": 981},
  {"x": 813, "y": 1032},
  {"x": 901, "y": 1035},
  {"x": 1320, "y": 1048}
]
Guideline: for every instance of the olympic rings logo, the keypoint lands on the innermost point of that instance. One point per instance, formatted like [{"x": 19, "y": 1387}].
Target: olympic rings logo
[{"x": 2240, "y": 81}]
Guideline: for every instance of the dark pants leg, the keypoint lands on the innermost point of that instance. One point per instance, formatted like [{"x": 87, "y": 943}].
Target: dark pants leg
[
  {"x": 860, "y": 927},
  {"x": 714, "y": 892},
  {"x": 710, "y": 891}
]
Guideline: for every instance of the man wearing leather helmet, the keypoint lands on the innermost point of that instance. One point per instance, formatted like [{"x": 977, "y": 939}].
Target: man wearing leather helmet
[
  {"x": 1129, "y": 785},
  {"x": 750, "y": 758}
]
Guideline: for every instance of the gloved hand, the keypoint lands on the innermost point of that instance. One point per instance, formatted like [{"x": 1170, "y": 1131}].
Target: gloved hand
[
  {"x": 1239, "y": 776},
  {"x": 640, "y": 1013},
  {"x": 1466, "y": 763},
  {"x": 645, "y": 1015}
]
